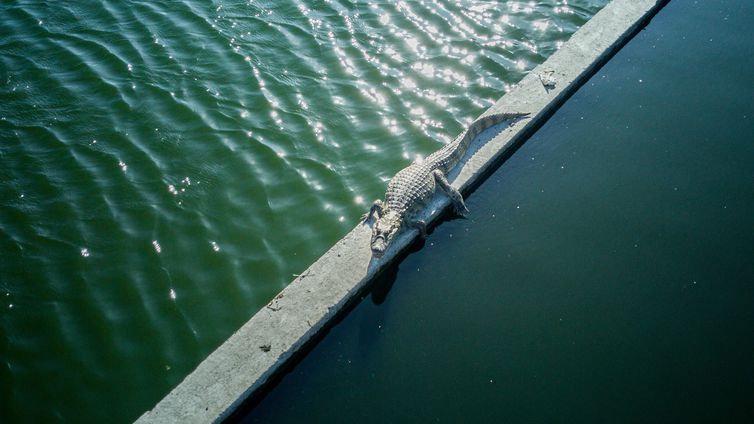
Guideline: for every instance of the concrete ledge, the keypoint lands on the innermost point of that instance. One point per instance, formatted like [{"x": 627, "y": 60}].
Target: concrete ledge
[{"x": 244, "y": 363}]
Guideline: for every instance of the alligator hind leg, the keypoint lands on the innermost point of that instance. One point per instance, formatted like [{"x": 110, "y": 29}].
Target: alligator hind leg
[
  {"x": 453, "y": 193},
  {"x": 375, "y": 209},
  {"x": 420, "y": 225}
]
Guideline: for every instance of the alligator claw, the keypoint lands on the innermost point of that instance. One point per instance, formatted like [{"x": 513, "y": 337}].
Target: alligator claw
[
  {"x": 461, "y": 209},
  {"x": 420, "y": 225},
  {"x": 375, "y": 209}
]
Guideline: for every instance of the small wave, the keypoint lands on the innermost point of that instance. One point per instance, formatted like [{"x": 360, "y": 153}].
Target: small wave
[{"x": 168, "y": 166}]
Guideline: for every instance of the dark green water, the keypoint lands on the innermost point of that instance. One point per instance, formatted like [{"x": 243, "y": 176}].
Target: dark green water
[
  {"x": 606, "y": 272},
  {"x": 167, "y": 166}
]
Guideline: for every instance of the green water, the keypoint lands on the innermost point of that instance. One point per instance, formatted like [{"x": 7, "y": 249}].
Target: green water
[
  {"x": 167, "y": 166},
  {"x": 605, "y": 273}
]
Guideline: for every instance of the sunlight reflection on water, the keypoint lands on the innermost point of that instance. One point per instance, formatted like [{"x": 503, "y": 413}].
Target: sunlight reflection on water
[{"x": 135, "y": 132}]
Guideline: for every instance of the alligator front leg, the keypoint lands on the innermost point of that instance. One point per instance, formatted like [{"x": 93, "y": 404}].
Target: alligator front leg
[
  {"x": 375, "y": 209},
  {"x": 454, "y": 194}
]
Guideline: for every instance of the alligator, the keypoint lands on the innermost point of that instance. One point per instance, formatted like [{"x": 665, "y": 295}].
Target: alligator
[{"x": 411, "y": 189}]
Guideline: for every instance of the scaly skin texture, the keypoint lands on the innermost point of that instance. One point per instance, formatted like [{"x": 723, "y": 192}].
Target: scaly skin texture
[{"x": 412, "y": 188}]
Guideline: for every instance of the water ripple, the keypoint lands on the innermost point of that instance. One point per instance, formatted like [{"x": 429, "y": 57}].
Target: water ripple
[{"x": 168, "y": 167}]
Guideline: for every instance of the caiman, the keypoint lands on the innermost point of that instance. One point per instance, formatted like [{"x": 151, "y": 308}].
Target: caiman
[{"x": 411, "y": 189}]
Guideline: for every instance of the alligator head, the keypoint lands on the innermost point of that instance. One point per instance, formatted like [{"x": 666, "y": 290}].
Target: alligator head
[{"x": 383, "y": 231}]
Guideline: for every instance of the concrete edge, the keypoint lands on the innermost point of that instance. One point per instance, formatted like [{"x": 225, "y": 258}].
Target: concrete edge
[{"x": 262, "y": 346}]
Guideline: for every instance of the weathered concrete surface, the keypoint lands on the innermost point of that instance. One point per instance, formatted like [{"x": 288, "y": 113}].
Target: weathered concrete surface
[{"x": 243, "y": 364}]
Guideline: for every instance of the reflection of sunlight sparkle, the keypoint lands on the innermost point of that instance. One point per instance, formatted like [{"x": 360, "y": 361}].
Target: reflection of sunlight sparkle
[
  {"x": 413, "y": 44},
  {"x": 317, "y": 128},
  {"x": 302, "y": 102},
  {"x": 541, "y": 25},
  {"x": 392, "y": 54},
  {"x": 391, "y": 124},
  {"x": 408, "y": 83}
]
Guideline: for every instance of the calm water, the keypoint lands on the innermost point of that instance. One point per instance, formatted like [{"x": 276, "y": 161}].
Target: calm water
[
  {"x": 606, "y": 272},
  {"x": 166, "y": 167}
]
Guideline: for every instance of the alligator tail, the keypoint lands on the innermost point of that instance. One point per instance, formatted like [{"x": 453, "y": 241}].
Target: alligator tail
[{"x": 451, "y": 154}]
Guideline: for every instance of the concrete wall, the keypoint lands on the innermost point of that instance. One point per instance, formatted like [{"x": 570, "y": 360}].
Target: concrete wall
[{"x": 262, "y": 346}]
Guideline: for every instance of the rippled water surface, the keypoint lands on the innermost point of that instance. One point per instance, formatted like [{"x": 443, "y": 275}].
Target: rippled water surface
[{"x": 166, "y": 167}]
